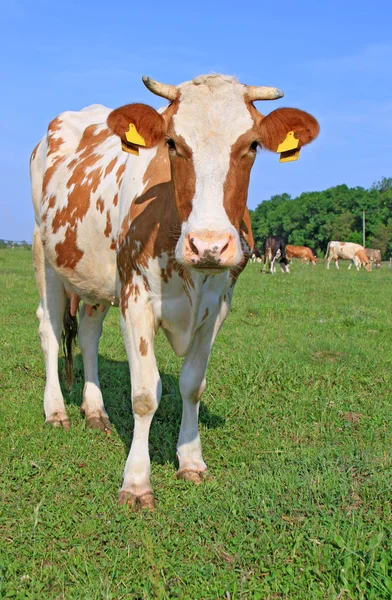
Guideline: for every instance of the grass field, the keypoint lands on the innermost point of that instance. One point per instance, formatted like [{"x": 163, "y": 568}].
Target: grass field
[{"x": 296, "y": 430}]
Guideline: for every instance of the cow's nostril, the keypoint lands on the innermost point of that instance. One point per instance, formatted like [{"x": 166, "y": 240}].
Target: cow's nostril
[
  {"x": 224, "y": 248},
  {"x": 193, "y": 247}
]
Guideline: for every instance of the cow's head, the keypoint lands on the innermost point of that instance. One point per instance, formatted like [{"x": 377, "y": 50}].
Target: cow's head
[
  {"x": 212, "y": 132},
  {"x": 363, "y": 259}
]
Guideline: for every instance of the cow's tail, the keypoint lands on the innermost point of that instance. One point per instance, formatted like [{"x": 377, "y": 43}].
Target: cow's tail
[
  {"x": 69, "y": 335},
  {"x": 326, "y": 254}
]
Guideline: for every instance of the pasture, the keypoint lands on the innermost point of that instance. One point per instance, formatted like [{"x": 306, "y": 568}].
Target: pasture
[{"x": 296, "y": 431}]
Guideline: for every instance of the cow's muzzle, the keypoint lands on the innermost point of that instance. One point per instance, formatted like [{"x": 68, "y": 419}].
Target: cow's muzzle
[{"x": 209, "y": 250}]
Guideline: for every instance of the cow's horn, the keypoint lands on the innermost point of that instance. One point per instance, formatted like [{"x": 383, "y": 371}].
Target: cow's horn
[
  {"x": 263, "y": 92},
  {"x": 160, "y": 89}
]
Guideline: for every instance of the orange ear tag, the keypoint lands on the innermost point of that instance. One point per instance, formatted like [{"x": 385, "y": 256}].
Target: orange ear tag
[{"x": 288, "y": 149}]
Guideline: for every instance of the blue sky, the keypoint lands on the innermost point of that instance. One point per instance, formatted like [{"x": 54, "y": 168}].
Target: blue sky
[{"x": 333, "y": 59}]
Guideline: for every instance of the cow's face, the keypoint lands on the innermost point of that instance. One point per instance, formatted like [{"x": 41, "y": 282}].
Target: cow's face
[{"x": 212, "y": 132}]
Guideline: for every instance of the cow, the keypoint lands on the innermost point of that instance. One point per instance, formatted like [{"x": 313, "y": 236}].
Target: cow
[
  {"x": 374, "y": 255},
  {"x": 255, "y": 255},
  {"x": 347, "y": 251},
  {"x": 306, "y": 254},
  {"x": 274, "y": 248},
  {"x": 146, "y": 210}
]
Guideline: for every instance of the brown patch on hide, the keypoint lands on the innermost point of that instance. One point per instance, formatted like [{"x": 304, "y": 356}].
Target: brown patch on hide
[
  {"x": 184, "y": 177},
  {"x": 68, "y": 253},
  {"x": 92, "y": 138},
  {"x": 235, "y": 189},
  {"x": 115, "y": 199},
  {"x": 34, "y": 152},
  {"x": 50, "y": 171},
  {"x": 110, "y": 167},
  {"x": 143, "y": 346},
  {"x": 100, "y": 205},
  {"x": 83, "y": 184},
  {"x": 54, "y": 144},
  {"x": 108, "y": 228},
  {"x": 55, "y": 125},
  {"x": 120, "y": 174},
  {"x": 205, "y": 314}
]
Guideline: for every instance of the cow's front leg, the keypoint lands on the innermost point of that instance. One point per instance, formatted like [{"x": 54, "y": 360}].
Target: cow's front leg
[
  {"x": 192, "y": 386},
  {"x": 139, "y": 327}
]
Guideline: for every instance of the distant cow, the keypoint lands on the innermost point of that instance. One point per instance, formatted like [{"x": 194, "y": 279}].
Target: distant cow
[
  {"x": 347, "y": 251},
  {"x": 274, "y": 247},
  {"x": 255, "y": 255},
  {"x": 374, "y": 256},
  {"x": 303, "y": 252}
]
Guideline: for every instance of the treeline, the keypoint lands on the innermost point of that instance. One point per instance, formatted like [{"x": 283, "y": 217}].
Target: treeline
[
  {"x": 4, "y": 244},
  {"x": 315, "y": 218}
]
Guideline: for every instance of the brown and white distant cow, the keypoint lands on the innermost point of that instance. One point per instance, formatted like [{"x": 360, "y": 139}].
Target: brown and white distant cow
[
  {"x": 347, "y": 251},
  {"x": 146, "y": 210},
  {"x": 306, "y": 254},
  {"x": 374, "y": 255}
]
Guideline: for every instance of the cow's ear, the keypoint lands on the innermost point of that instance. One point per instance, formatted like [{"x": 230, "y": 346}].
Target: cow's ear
[
  {"x": 288, "y": 124},
  {"x": 137, "y": 125}
]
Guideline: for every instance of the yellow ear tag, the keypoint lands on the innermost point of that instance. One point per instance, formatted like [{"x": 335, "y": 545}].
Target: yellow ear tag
[
  {"x": 133, "y": 136},
  {"x": 289, "y": 155},
  {"x": 130, "y": 150},
  {"x": 289, "y": 143},
  {"x": 288, "y": 149}
]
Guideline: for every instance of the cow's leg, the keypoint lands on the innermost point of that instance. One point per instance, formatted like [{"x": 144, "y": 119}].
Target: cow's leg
[
  {"x": 349, "y": 266},
  {"x": 50, "y": 314},
  {"x": 284, "y": 268},
  {"x": 139, "y": 327},
  {"x": 90, "y": 330},
  {"x": 273, "y": 268},
  {"x": 337, "y": 264},
  {"x": 192, "y": 386}
]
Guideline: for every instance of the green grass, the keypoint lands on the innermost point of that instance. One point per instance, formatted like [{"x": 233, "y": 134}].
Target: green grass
[{"x": 296, "y": 430}]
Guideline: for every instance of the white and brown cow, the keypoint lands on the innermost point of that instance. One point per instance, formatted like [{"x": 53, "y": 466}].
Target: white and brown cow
[
  {"x": 347, "y": 251},
  {"x": 146, "y": 210},
  {"x": 306, "y": 254}
]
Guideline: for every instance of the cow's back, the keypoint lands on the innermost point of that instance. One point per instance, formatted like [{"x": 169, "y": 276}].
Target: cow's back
[{"x": 76, "y": 172}]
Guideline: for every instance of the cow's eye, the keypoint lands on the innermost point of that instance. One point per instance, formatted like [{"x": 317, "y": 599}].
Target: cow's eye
[
  {"x": 254, "y": 145},
  {"x": 170, "y": 144}
]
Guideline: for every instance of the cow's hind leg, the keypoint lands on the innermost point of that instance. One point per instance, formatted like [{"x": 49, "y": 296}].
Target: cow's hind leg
[
  {"x": 90, "y": 330},
  {"x": 50, "y": 314}
]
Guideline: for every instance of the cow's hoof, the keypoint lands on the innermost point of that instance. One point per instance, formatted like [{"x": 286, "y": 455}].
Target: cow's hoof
[
  {"x": 189, "y": 475},
  {"x": 102, "y": 423},
  {"x": 58, "y": 420},
  {"x": 145, "y": 501}
]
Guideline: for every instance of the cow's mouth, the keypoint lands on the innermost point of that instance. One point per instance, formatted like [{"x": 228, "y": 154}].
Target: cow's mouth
[{"x": 209, "y": 267}]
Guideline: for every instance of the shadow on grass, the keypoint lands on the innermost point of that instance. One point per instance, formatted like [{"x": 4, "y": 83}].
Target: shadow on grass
[{"x": 115, "y": 385}]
